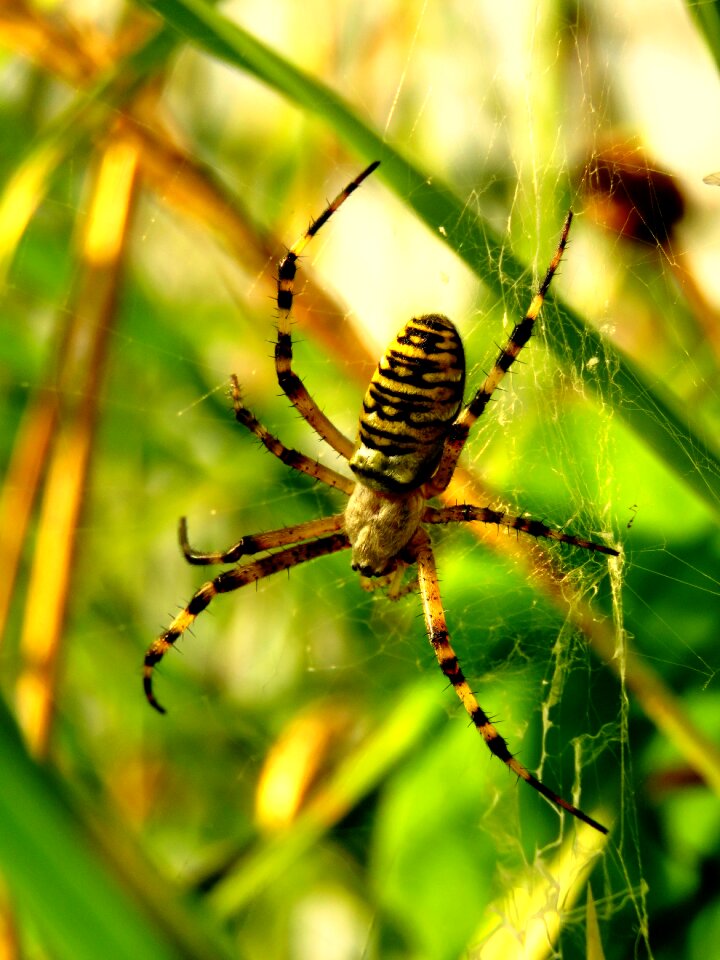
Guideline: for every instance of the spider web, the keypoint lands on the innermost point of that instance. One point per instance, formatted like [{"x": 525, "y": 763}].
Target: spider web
[{"x": 529, "y": 104}]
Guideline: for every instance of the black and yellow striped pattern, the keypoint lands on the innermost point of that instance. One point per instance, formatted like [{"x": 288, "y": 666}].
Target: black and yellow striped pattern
[
  {"x": 288, "y": 265},
  {"x": 439, "y": 637},
  {"x": 519, "y": 337},
  {"x": 468, "y": 513},
  {"x": 290, "y": 383},
  {"x": 225, "y": 583},
  {"x": 411, "y": 403}
]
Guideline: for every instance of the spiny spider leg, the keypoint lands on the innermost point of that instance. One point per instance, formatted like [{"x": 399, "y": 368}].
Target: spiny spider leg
[
  {"x": 290, "y": 383},
  {"x": 256, "y": 543},
  {"x": 508, "y": 354},
  {"x": 291, "y": 458},
  {"x": 439, "y": 637},
  {"x": 467, "y": 513},
  {"x": 225, "y": 583}
]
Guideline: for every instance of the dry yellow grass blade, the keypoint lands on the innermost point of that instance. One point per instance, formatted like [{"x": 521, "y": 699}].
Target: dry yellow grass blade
[
  {"x": 82, "y": 368},
  {"x": 19, "y": 490},
  {"x": 526, "y": 923},
  {"x": 177, "y": 179},
  {"x": 593, "y": 940}
]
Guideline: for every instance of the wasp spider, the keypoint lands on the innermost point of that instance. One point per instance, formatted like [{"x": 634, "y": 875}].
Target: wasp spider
[{"x": 413, "y": 427}]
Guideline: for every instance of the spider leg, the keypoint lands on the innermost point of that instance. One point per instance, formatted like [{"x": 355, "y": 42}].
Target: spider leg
[
  {"x": 225, "y": 583},
  {"x": 256, "y": 543},
  {"x": 291, "y": 458},
  {"x": 467, "y": 513},
  {"x": 437, "y": 631},
  {"x": 391, "y": 583},
  {"x": 508, "y": 354},
  {"x": 289, "y": 381}
]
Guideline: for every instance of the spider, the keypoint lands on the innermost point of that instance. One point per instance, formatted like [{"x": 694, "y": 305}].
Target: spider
[{"x": 413, "y": 427}]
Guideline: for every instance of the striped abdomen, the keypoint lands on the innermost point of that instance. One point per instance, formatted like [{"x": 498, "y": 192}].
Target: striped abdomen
[{"x": 413, "y": 399}]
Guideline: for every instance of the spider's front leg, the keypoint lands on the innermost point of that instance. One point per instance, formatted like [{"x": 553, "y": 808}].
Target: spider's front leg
[
  {"x": 439, "y": 637},
  {"x": 289, "y": 381},
  {"x": 460, "y": 430}
]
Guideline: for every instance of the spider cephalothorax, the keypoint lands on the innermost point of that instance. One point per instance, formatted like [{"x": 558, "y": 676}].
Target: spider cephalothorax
[
  {"x": 379, "y": 527},
  {"x": 411, "y": 432}
]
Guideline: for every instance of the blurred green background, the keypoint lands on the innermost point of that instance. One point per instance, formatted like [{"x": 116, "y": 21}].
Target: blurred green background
[{"x": 314, "y": 791}]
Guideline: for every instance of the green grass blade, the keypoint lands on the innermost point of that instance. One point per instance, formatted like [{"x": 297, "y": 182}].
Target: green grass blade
[
  {"x": 707, "y": 19},
  {"x": 408, "y": 723},
  {"x": 670, "y": 434},
  {"x": 58, "y": 875}
]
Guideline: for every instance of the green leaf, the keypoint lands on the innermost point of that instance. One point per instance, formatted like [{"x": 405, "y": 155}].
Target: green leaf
[{"x": 55, "y": 869}]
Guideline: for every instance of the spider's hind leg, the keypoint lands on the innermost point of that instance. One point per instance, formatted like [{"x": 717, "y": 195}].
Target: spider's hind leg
[
  {"x": 439, "y": 637},
  {"x": 391, "y": 583}
]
